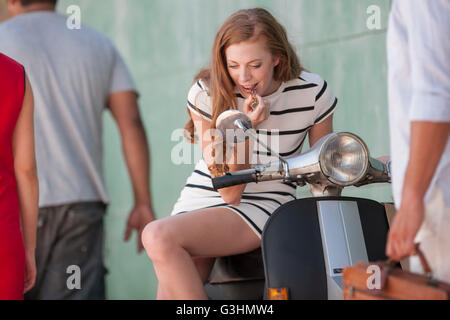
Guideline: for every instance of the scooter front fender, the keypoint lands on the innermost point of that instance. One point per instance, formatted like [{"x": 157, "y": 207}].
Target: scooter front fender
[{"x": 307, "y": 242}]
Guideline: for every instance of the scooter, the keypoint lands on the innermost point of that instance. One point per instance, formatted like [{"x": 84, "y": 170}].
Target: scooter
[{"x": 307, "y": 242}]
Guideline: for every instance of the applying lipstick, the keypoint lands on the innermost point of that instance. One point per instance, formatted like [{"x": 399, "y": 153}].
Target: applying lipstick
[{"x": 254, "y": 100}]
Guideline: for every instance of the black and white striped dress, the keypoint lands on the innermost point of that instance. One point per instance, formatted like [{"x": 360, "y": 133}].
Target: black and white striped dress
[{"x": 295, "y": 107}]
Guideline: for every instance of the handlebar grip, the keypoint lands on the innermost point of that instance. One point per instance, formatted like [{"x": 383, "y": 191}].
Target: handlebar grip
[{"x": 232, "y": 180}]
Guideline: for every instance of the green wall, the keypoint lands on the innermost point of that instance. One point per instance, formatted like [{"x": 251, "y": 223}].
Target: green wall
[{"x": 165, "y": 42}]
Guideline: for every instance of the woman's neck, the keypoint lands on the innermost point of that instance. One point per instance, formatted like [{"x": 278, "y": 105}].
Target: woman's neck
[{"x": 273, "y": 88}]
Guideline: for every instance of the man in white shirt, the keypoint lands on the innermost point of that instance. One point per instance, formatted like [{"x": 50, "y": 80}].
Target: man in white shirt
[
  {"x": 418, "y": 47},
  {"x": 76, "y": 74}
]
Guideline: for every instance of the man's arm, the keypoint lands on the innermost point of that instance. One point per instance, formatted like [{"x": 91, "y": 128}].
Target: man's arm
[
  {"x": 124, "y": 109},
  {"x": 426, "y": 24},
  {"x": 428, "y": 141}
]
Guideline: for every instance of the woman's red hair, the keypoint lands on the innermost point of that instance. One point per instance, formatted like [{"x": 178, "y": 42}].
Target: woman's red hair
[{"x": 248, "y": 24}]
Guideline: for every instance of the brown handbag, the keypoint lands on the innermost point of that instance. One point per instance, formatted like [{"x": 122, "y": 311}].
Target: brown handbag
[{"x": 393, "y": 283}]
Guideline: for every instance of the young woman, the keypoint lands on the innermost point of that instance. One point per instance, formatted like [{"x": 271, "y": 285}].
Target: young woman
[
  {"x": 18, "y": 182},
  {"x": 252, "y": 59}
]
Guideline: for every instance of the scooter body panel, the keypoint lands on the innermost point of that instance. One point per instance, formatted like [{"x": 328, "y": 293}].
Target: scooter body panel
[{"x": 307, "y": 242}]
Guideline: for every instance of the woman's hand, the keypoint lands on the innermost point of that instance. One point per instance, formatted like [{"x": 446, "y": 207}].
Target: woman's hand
[
  {"x": 30, "y": 270},
  {"x": 260, "y": 113}
]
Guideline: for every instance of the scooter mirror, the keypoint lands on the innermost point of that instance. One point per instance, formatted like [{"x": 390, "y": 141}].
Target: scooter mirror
[
  {"x": 233, "y": 124},
  {"x": 236, "y": 124}
]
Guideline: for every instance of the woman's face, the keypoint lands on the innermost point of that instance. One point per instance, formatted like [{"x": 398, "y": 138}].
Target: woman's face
[{"x": 251, "y": 67}]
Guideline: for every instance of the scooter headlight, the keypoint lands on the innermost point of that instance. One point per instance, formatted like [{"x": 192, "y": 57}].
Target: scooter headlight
[{"x": 344, "y": 159}]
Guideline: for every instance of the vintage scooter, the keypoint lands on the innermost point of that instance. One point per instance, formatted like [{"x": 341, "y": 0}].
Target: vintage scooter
[{"x": 307, "y": 242}]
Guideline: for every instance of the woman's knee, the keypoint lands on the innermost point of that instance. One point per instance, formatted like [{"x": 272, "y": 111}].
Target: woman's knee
[{"x": 157, "y": 240}]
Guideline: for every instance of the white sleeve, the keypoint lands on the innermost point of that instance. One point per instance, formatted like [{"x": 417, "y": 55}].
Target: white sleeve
[
  {"x": 121, "y": 79},
  {"x": 325, "y": 103},
  {"x": 428, "y": 25},
  {"x": 199, "y": 102}
]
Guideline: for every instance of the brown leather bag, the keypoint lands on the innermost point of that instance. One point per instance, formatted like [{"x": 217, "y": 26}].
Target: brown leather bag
[{"x": 394, "y": 284}]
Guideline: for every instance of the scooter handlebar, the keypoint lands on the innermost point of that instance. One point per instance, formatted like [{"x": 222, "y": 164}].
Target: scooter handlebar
[{"x": 229, "y": 180}]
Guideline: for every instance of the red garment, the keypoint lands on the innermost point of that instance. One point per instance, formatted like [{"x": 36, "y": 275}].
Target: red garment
[{"x": 12, "y": 253}]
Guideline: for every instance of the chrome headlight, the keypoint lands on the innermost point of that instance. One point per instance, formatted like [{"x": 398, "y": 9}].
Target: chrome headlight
[{"x": 344, "y": 159}]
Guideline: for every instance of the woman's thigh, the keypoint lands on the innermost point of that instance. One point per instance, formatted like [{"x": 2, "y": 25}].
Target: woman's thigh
[{"x": 212, "y": 232}]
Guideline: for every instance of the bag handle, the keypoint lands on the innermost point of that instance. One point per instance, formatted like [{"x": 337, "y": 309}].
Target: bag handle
[
  {"x": 388, "y": 265},
  {"x": 423, "y": 261}
]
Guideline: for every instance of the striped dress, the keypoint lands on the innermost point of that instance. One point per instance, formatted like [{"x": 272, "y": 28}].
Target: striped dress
[{"x": 295, "y": 107}]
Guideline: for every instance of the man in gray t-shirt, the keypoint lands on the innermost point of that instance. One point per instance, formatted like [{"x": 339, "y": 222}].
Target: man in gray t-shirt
[{"x": 75, "y": 74}]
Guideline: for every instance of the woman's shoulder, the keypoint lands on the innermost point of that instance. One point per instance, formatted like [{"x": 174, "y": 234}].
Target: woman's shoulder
[
  {"x": 306, "y": 80},
  {"x": 9, "y": 64},
  {"x": 199, "y": 100},
  {"x": 199, "y": 86},
  {"x": 306, "y": 83},
  {"x": 310, "y": 78}
]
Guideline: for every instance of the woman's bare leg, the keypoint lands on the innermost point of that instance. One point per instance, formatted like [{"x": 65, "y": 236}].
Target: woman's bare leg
[
  {"x": 172, "y": 242},
  {"x": 204, "y": 267},
  {"x": 159, "y": 293}
]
